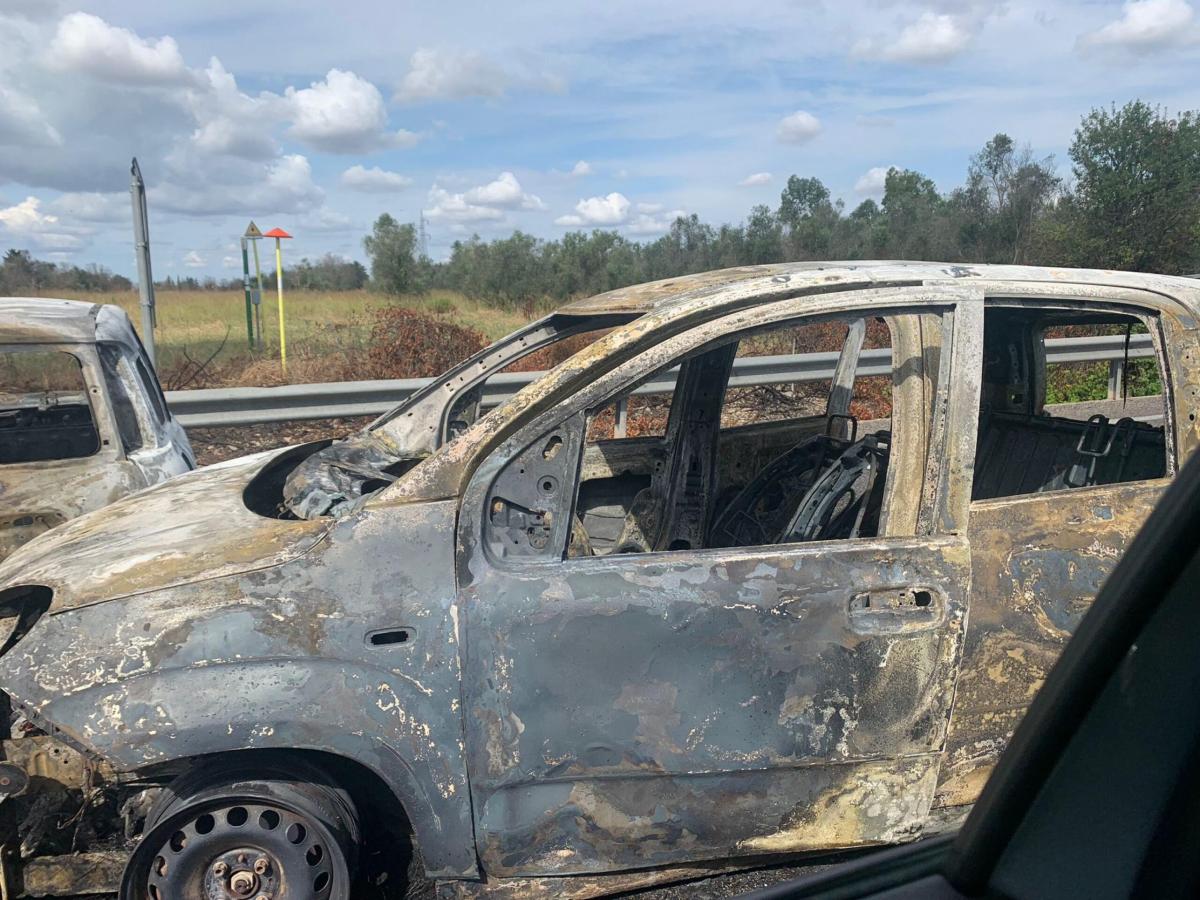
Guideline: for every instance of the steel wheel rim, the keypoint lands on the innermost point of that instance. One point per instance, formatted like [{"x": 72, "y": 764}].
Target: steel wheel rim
[{"x": 243, "y": 850}]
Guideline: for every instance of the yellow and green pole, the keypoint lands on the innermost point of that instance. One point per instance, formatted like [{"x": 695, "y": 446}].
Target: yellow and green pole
[{"x": 279, "y": 234}]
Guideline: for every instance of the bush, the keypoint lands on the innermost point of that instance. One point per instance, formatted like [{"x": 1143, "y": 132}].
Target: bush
[{"x": 407, "y": 344}]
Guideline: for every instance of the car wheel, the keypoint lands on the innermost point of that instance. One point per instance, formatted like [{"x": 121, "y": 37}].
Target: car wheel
[{"x": 247, "y": 834}]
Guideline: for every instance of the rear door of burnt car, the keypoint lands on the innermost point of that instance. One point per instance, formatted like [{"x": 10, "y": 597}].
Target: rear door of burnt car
[
  {"x": 1041, "y": 548},
  {"x": 646, "y": 709}
]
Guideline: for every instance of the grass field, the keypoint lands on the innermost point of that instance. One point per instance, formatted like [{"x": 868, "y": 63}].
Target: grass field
[{"x": 321, "y": 326}]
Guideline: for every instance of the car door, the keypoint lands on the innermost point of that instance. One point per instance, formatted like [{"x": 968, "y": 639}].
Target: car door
[
  {"x": 646, "y": 709},
  {"x": 1040, "y": 552}
]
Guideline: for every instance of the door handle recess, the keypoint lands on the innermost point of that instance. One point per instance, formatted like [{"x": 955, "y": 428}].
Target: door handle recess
[{"x": 896, "y": 610}]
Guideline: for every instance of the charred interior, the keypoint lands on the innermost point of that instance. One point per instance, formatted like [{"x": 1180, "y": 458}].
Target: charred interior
[
  {"x": 44, "y": 410},
  {"x": 1025, "y": 446}
]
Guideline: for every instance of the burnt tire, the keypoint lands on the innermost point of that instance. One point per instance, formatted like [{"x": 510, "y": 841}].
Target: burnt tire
[{"x": 245, "y": 832}]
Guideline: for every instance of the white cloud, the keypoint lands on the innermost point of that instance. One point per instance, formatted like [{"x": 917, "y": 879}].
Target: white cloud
[
  {"x": 755, "y": 180},
  {"x": 22, "y": 123},
  {"x": 229, "y": 121},
  {"x": 798, "y": 128},
  {"x": 610, "y": 210},
  {"x": 447, "y": 207},
  {"x": 26, "y": 217},
  {"x": 344, "y": 113},
  {"x": 440, "y": 74},
  {"x": 484, "y": 203},
  {"x": 648, "y": 207},
  {"x": 932, "y": 38},
  {"x": 581, "y": 168},
  {"x": 448, "y": 74},
  {"x": 504, "y": 193},
  {"x": 86, "y": 43},
  {"x": 872, "y": 181},
  {"x": 27, "y": 222},
  {"x": 645, "y": 224},
  {"x": 194, "y": 260},
  {"x": 373, "y": 180},
  {"x": 291, "y": 177},
  {"x": 1146, "y": 25}
]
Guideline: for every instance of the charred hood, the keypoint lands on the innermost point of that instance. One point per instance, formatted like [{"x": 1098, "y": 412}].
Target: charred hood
[{"x": 203, "y": 524}]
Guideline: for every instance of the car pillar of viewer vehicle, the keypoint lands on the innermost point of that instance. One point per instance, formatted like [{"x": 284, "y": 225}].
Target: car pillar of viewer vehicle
[{"x": 764, "y": 620}]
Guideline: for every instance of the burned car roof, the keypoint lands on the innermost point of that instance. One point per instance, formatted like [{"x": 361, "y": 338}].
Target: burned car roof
[
  {"x": 676, "y": 303},
  {"x": 37, "y": 320},
  {"x": 663, "y": 294}
]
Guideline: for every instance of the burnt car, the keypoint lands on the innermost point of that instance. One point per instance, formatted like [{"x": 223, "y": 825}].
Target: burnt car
[
  {"x": 83, "y": 420},
  {"x": 654, "y": 615}
]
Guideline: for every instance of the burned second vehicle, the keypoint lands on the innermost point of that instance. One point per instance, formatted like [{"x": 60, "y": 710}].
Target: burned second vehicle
[
  {"x": 83, "y": 420},
  {"x": 675, "y": 605}
]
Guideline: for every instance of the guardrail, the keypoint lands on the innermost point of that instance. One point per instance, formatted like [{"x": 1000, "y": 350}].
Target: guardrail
[{"x": 344, "y": 399}]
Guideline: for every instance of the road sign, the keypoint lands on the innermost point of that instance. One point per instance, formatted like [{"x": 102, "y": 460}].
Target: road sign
[{"x": 252, "y": 232}]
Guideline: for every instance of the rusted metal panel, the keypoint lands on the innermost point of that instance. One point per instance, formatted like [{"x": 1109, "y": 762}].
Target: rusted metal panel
[
  {"x": 629, "y": 713},
  {"x": 276, "y": 657},
  {"x": 72, "y": 875},
  {"x": 1037, "y": 564}
]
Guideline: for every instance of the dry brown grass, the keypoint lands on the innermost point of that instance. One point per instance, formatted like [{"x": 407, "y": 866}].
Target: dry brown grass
[{"x": 328, "y": 333}]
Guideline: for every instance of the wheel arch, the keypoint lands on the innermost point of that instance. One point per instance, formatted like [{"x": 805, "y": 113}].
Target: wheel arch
[{"x": 385, "y": 805}]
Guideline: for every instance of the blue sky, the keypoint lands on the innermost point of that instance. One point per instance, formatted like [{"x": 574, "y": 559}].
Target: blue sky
[{"x": 542, "y": 116}]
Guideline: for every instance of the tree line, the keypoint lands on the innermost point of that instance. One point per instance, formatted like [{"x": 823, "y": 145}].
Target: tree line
[
  {"x": 20, "y": 273},
  {"x": 1131, "y": 201}
]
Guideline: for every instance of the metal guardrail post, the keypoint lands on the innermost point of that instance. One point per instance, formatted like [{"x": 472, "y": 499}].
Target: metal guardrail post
[{"x": 1116, "y": 378}]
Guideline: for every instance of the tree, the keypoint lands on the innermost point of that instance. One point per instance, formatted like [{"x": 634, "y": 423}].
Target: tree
[
  {"x": 764, "y": 237},
  {"x": 514, "y": 272},
  {"x": 1137, "y": 190},
  {"x": 1007, "y": 192},
  {"x": 392, "y": 250},
  {"x": 914, "y": 215},
  {"x": 809, "y": 217}
]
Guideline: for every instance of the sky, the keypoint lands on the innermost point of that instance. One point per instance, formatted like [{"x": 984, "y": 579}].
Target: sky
[{"x": 543, "y": 115}]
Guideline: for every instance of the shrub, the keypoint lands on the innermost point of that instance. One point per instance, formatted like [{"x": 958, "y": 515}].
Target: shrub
[{"x": 407, "y": 344}]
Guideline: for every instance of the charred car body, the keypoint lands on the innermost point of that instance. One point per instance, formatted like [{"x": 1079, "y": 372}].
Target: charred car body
[
  {"x": 569, "y": 658},
  {"x": 83, "y": 420}
]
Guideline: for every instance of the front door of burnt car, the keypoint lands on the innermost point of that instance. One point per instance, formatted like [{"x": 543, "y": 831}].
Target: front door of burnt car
[{"x": 650, "y": 708}]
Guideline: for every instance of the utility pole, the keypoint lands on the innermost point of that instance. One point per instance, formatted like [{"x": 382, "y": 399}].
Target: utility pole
[
  {"x": 422, "y": 237},
  {"x": 141, "y": 241}
]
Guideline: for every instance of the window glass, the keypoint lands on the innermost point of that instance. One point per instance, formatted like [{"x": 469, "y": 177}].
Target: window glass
[
  {"x": 1047, "y": 424},
  {"x": 44, "y": 409},
  {"x": 158, "y": 403},
  {"x": 119, "y": 399}
]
